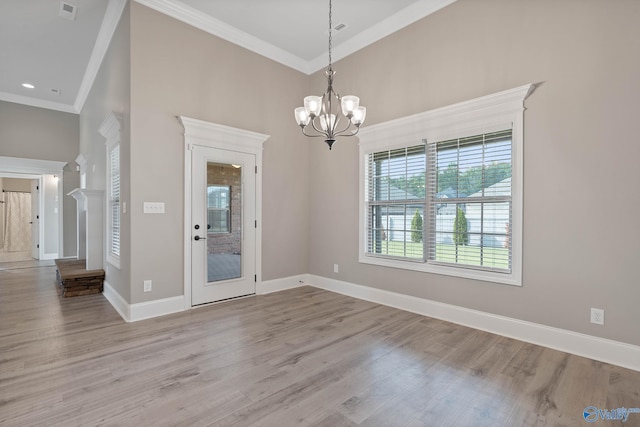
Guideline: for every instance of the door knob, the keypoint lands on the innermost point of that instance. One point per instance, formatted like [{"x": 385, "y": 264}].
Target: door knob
[{"x": 196, "y": 238}]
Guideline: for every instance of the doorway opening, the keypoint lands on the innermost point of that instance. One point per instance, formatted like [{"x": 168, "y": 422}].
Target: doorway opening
[
  {"x": 16, "y": 220},
  {"x": 30, "y": 209}
]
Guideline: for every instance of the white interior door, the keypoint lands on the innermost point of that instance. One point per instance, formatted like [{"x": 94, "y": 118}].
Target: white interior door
[
  {"x": 223, "y": 224},
  {"x": 35, "y": 219}
]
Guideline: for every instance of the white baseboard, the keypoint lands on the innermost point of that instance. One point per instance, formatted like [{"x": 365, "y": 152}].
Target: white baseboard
[
  {"x": 142, "y": 310},
  {"x": 155, "y": 308},
  {"x": 282, "y": 284},
  {"x": 604, "y": 350},
  {"x": 119, "y": 303}
]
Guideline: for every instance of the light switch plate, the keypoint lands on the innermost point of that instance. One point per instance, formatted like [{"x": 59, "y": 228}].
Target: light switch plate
[{"x": 154, "y": 207}]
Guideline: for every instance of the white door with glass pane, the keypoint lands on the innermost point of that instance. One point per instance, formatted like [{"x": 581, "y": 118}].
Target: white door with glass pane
[
  {"x": 35, "y": 219},
  {"x": 223, "y": 224}
]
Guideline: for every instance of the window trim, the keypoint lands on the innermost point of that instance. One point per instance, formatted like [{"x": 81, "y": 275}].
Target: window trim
[
  {"x": 110, "y": 129},
  {"x": 490, "y": 113}
]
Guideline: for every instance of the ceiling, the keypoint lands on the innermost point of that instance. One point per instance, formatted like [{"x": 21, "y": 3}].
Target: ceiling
[{"x": 41, "y": 45}]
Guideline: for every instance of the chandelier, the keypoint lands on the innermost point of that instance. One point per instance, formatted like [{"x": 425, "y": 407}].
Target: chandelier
[{"x": 320, "y": 117}]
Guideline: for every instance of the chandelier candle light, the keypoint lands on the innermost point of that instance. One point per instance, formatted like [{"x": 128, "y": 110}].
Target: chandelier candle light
[{"x": 320, "y": 116}]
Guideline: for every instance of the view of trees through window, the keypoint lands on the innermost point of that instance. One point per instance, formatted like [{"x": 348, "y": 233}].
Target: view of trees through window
[
  {"x": 466, "y": 182},
  {"x": 470, "y": 187}
]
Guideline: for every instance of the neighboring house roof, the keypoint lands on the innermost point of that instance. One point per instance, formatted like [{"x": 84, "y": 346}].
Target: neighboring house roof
[
  {"x": 383, "y": 193},
  {"x": 448, "y": 193},
  {"x": 501, "y": 188}
]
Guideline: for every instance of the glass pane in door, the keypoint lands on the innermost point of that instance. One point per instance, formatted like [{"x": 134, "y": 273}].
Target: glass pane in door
[{"x": 224, "y": 221}]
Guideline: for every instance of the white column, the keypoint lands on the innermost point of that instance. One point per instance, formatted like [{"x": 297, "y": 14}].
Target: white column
[{"x": 90, "y": 226}]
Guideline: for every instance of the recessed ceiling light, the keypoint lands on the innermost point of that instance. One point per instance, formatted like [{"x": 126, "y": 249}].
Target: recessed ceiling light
[{"x": 28, "y": 85}]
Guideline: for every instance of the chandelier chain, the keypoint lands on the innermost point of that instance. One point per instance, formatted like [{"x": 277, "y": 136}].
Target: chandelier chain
[
  {"x": 330, "y": 115},
  {"x": 330, "y": 35}
]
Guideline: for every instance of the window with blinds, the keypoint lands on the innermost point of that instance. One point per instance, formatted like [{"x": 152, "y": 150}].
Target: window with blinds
[
  {"x": 110, "y": 129},
  {"x": 114, "y": 202},
  {"x": 469, "y": 199},
  {"x": 396, "y": 202},
  {"x": 463, "y": 184},
  {"x": 441, "y": 191}
]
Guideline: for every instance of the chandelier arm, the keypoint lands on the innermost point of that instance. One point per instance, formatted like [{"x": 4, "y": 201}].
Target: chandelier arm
[
  {"x": 313, "y": 125},
  {"x": 342, "y": 132},
  {"x": 353, "y": 133},
  {"x": 333, "y": 132},
  {"x": 312, "y": 136}
]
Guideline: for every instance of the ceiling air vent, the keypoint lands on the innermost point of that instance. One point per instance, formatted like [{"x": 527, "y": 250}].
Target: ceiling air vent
[
  {"x": 67, "y": 11},
  {"x": 340, "y": 27}
]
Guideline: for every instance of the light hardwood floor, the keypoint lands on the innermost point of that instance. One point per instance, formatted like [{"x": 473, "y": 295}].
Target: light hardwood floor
[{"x": 298, "y": 357}]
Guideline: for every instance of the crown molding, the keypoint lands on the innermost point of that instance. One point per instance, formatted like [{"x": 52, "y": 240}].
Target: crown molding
[
  {"x": 407, "y": 16},
  {"x": 35, "y": 102},
  {"x": 211, "y": 25},
  {"x": 107, "y": 29},
  {"x": 195, "y": 18}
]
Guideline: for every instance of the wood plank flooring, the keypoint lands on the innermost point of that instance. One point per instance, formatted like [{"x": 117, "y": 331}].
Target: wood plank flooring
[
  {"x": 300, "y": 357},
  {"x": 30, "y": 263}
]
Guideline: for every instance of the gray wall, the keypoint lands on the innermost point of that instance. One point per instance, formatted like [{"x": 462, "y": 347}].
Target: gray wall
[
  {"x": 38, "y": 133},
  {"x": 110, "y": 93},
  {"x": 179, "y": 70},
  {"x": 580, "y": 160}
]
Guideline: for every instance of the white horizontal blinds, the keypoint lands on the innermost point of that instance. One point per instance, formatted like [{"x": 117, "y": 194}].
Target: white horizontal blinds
[
  {"x": 470, "y": 201},
  {"x": 396, "y": 202},
  {"x": 114, "y": 200}
]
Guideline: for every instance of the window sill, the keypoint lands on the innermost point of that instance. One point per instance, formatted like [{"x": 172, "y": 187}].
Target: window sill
[{"x": 512, "y": 278}]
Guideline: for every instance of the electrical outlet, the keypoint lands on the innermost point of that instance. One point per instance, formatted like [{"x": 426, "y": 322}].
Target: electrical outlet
[
  {"x": 336, "y": 268},
  {"x": 597, "y": 316},
  {"x": 147, "y": 285}
]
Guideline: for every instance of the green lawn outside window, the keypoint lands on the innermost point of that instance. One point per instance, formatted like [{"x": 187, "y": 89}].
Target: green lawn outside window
[{"x": 470, "y": 255}]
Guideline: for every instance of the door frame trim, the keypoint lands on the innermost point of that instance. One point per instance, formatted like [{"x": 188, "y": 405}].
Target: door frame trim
[
  {"x": 221, "y": 137},
  {"x": 25, "y": 168}
]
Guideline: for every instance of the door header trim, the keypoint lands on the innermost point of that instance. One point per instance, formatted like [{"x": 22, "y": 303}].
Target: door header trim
[{"x": 199, "y": 132}]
